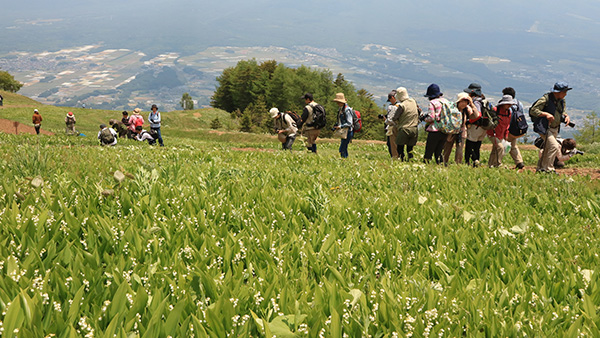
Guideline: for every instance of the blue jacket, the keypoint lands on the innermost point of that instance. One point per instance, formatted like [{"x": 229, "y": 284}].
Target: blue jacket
[{"x": 345, "y": 117}]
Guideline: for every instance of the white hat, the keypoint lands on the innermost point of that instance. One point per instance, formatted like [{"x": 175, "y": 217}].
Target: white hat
[
  {"x": 401, "y": 94},
  {"x": 35, "y": 110},
  {"x": 274, "y": 112}
]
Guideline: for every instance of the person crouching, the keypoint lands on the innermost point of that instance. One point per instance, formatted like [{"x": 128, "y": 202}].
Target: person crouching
[
  {"x": 107, "y": 136},
  {"x": 143, "y": 135},
  {"x": 285, "y": 127}
]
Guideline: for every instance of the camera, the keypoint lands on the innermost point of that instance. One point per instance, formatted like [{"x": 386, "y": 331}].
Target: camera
[
  {"x": 577, "y": 152},
  {"x": 422, "y": 117},
  {"x": 571, "y": 124},
  {"x": 332, "y": 128},
  {"x": 381, "y": 116}
]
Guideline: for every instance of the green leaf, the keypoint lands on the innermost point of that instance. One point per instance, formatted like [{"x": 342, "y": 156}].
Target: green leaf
[
  {"x": 74, "y": 314},
  {"x": 14, "y": 316},
  {"x": 174, "y": 318}
]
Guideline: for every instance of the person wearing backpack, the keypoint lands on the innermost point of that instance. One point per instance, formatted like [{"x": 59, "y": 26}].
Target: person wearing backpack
[
  {"x": 155, "y": 121},
  {"x": 405, "y": 119},
  {"x": 70, "y": 124},
  {"x": 518, "y": 127},
  {"x": 143, "y": 135},
  {"x": 390, "y": 128},
  {"x": 285, "y": 127},
  {"x": 310, "y": 123},
  {"x": 37, "y": 121},
  {"x": 344, "y": 123},
  {"x": 435, "y": 137},
  {"x": 136, "y": 120},
  {"x": 499, "y": 134},
  {"x": 546, "y": 114},
  {"x": 475, "y": 131},
  {"x": 107, "y": 136}
]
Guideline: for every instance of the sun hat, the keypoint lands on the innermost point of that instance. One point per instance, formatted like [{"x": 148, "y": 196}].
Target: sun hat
[
  {"x": 507, "y": 99},
  {"x": 70, "y": 113},
  {"x": 390, "y": 95},
  {"x": 561, "y": 87},
  {"x": 137, "y": 111},
  {"x": 474, "y": 88},
  {"x": 274, "y": 112},
  {"x": 339, "y": 97},
  {"x": 35, "y": 110},
  {"x": 462, "y": 96},
  {"x": 433, "y": 91},
  {"x": 153, "y": 106},
  {"x": 401, "y": 94}
]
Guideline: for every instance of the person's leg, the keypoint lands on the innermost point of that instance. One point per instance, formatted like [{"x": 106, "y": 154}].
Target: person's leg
[
  {"x": 400, "y": 151},
  {"x": 515, "y": 153},
  {"x": 447, "y": 150},
  {"x": 440, "y": 142},
  {"x": 393, "y": 144},
  {"x": 160, "y": 140},
  {"x": 429, "y": 146},
  {"x": 287, "y": 145},
  {"x": 477, "y": 153},
  {"x": 460, "y": 146},
  {"x": 388, "y": 143},
  {"x": 551, "y": 149},
  {"x": 409, "y": 152},
  {"x": 469, "y": 145},
  {"x": 344, "y": 145}
]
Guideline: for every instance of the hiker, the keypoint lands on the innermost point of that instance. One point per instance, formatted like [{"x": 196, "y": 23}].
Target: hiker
[
  {"x": 390, "y": 128},
  {"x": 405, "y": 119},
  {"x": 459, "y": 138},
  {"x": 118, "y": 127},
  {"x": 70, "y": 124},
  {"x": 143, "y": 135},
  {"x": 517, "y": 127},
  {"x": 435, "y": 138},
  {"x": 475, "y": 131},
  {"x": 344, "y": 124},
  {"x": 547, "y": 113},
  {"x": 37, "y": 121},
  {"x": 285, "y": 127},
  {"x": 465, "y": 104},
  {"x": 499, "y": 134},
  {"x": 1, "y": 100},
  {"x": 568, "y": 149},
  {"x": 155, "y": 120},
  {"x": 107, "y": 136},
  {"x": 135, "y": 120},
  {"x": 308, "y": 125},
  {"x": 127, "y": 124}
]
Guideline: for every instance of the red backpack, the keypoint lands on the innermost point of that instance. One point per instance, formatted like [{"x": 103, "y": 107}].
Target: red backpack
[{"x": 356, "y": 121}]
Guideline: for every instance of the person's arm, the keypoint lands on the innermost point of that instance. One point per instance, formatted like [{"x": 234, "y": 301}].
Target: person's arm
[
  {"x": 348, "y": 118},
  {"x": 304, "y": 117},
  {"x": 537, "y": 109},
  {"x": 393, "y": 115},
  {"x": 431, "y": 116}
]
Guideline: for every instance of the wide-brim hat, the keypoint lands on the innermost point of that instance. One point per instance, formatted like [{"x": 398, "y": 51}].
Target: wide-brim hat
[
  {"x": 561, "y": 87},
  {"x": 507, "y": 99},
  {"x": 474, "y": 88},
  {"x": 339, "y": 97},
  {"x": 433, "y": 91},
  {"x": 137, "y": 111},
  {"x": 154, "y": 106},
  {"x": 274, "y": 112},
  {"x": 462, "y": 96}
]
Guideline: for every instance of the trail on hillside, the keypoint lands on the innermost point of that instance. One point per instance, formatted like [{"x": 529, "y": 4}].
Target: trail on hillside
[{"x": 8, "y": 126}]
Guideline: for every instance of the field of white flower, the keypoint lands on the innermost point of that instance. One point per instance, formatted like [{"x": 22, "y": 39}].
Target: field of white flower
[{"x": 200, "y": 240}]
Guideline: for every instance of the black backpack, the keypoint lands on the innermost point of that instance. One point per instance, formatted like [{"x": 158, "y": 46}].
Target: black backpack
[
  {"x": 489, "y": 117},
  {"x": 294, "y": 117},
  {"x": 106, "y": 136},
  {"x": 518, "y": 122},
  {"x": 319, "y": 120}
]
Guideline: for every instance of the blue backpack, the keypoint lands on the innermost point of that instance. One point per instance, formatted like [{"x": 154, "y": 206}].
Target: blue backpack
[{"x": 518, "y": 122}]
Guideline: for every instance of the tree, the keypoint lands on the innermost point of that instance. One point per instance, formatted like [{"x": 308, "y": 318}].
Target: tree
[
  {"x": 8, "y": 82},
  {"x": 588, "y": 133},
  {"x": 186, "y": 102},
  {"x": 216, "y": 124}
]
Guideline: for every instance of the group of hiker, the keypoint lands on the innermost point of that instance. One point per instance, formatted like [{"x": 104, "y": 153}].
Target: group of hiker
[
  {"x": 128, "y": 127},
  {"x": 462, "y": 124}
]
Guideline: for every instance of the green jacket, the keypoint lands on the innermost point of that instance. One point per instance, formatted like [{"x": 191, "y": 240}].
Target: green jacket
[{"x": 549, "y": 104}]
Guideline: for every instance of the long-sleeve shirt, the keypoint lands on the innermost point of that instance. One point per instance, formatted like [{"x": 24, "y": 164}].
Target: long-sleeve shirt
[
  {"x": 154, "y": 119},
  {"x": 37, "y": 118},
  {"x": 406, "y": 115},
  {"x": 286, "y": 122},
  {"x": 345, "y": 117},
  {"x": 435, "y": 111},
  {"x": 114, "y": 134},
  {"x": 549, "y": 104},
  {"x": 143, "y": 136}
]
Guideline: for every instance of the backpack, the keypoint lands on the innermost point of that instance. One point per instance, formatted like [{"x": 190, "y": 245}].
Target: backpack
[
  {"x": 518, "y": 123},
  {"x": 319, "y": 119},
  {"x": 450, "y": 118},
  {"x": 489, "y": 117},
  {"x": 294, "y": 117},
  {"x": 106, "y": 136},
  {"x": 356, "y": 121}
]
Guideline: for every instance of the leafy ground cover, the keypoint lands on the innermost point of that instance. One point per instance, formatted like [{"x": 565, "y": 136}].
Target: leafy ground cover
[{"x": 199, "y": 239}]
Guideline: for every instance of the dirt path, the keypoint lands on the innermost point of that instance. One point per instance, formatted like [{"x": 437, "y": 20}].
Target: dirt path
[{"x": 8, "y": 126}]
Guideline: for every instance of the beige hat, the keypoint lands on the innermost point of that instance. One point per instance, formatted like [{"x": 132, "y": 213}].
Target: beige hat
[
  {"x": 462, "y": 96},
  {"x": 401, "y": 94},
  {"x": 137, "y": 111},
  {"x": 339, "y": 97},
  {"x": 274, "y": 112}
]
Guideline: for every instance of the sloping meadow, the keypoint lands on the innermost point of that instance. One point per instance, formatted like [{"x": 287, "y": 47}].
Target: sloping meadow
[{"x": 202, "y": 240}]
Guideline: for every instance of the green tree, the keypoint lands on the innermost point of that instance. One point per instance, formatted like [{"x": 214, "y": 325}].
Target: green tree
[
  {"x": 8, "y": 82},
  {"x": 588, "y": 133},
  {"x": 246, "y": 122},
  {"x": 216, "y": 124},
  {"x": 186, "y": 102}
]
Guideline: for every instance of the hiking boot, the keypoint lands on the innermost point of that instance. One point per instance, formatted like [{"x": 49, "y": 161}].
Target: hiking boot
[{"x": 520, "y": 166}]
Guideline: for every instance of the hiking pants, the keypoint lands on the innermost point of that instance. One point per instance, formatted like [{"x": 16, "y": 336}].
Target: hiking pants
[
  {"x": 497, "y": 153},
  {"x": 393, "y": 148},
  {"x": 311, "y": 139},
  {"x": 287, "y": 145},
  {"x": 344, "y": 144},
  {"x": 409, "y": 152},
  {"x": 515, "y": 153},
  {"x": 434, "y": 146},
  {"x": 551, "y": 149},
  {"x": 159, "y": 138},
  {"x": 472, "y": 151},
  {"x": 37, "y": 129},
  {"x": 458, "y": 154}
]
